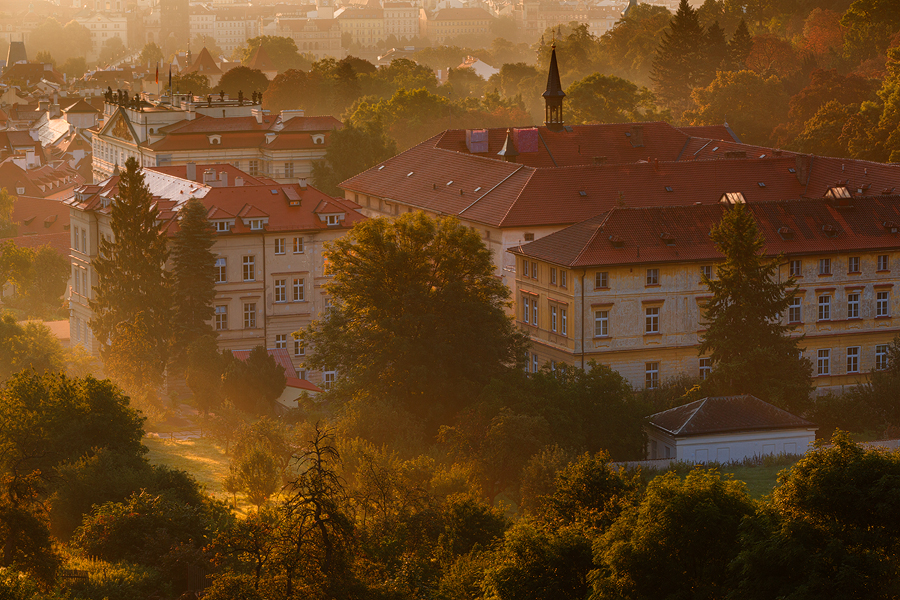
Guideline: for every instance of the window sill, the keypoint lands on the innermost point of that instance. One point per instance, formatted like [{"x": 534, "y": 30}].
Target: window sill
[
  {"x": 651, "y": 285},
  {"x": 884, "y": 271},
  {"x": 825, "y": 274},
  {"x": 653, "y": 334},
  {"x": 854, "y": 273},
  {"x": 882, "y": 317},
  {"x": 822, "y": 375}
]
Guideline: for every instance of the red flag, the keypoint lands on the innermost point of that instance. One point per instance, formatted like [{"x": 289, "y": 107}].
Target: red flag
[{"x": 157, "y": 73}]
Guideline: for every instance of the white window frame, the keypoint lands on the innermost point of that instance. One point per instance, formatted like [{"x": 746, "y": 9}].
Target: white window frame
[
  {"x": 652, "y": 277},
  {"x": 563, "y": 322},
  {"x": 824, "y": 308},
  {"x": 795, "y": 310},
  {"x": 562, "y": 279},
  {"x": 249, "y": 268},
  {"x": 601, "y": 280},
  {"x": 881, "y": 357},
  {"x": 651, "y": 319},
  {"x": 853, "y": 264},
  {"x": 250, "y": 315},
  {"x": 279, "y": 245},
  {"x": 221, "y": 270},
  {"x": 328, "y": 379},
  {"x": 552, "y": 275},
  {"x": 221, "y": 317},
  {"x": 298, "y": 245},
  {"x": 882, "y": 303},
  {"x": 796, "y": 268},
  {"x": 281, "y": 290},
  {"x": 601, "y": 323},
  {"x": 526, "y": 311},
  {"x": 706, "y": 270},
  {"x": 853, "y": 305},
  {"x": 853, "y": 359},
  {"x": 884, "y": 263},
  {"x": 823, "y": 361},
  {"x": 824, "y": 266},
  {"x": 705, "y": 367},
  {"x": 534, "y": 312},
  {"x": 299, "y": 349},
  {"x": 281, "y": 341},
  {"x": 553, "y": 318},
  {"x": 651, "y": 375},
  {"x": 299, "y": 289}
]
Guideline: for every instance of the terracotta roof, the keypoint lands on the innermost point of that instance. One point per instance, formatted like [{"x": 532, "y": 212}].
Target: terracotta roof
[
  {"x": 725, "y": 414},
  {"x": 236, "y": 139},
  {"x": 80, "y": 107},
  {"x": 39, "y": 215},
  {"x": 32, "y": 73},
  {"x": 790, "y": 227},
  {"x": 560, "y": 184},
  {"x": 260, "y": 60},
  {"x": 711, "y": 132},
  {"x": 461, "y": 14},
  {"x": 60, "y": 242},
  {"x": 207, "y": 124},
  {"x": 205, "y": 64},
  {"x": 320, "y": 123}
]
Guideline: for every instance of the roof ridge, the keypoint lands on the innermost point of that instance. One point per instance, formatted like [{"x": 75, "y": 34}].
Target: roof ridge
[
  {"x": 594, "y": 235},
  {"x": 502, "y": 220},
  {"x": 702, "y": 403}
]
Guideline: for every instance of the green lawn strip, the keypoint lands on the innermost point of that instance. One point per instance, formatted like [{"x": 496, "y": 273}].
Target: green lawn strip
[
  {"x": 201, "y": 457},
  {"x": 760, "y": 480}
]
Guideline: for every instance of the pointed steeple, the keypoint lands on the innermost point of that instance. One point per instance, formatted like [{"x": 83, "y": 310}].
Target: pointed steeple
[
  {"x": 553, "y": 96},
  {"x": 508, "y": 151}
]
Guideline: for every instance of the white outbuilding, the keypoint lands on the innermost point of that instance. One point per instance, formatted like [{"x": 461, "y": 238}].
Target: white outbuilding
[{"x": 726, "y": 429}]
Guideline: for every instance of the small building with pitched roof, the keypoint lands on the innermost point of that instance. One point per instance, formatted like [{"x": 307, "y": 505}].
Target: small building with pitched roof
[{"x": 726, "y": 429}]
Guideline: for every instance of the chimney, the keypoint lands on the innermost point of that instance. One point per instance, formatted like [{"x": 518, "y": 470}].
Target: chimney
[
  {"x": 209, "y": 177},
  {"x": 191, "y": 171},
  {"x": 287, "y": 115},
  {"x": 803, "y": 162},
  {"x": 599, "y": 160},
  {"x": 29, "y": 158},
  {"x": 637, "y": 136},
  {"x": 238, "y": 181},
  {"x": 43, "y": 104},
  {"x": 302, "y": 183},
  {"x": 258, "y": 113},
  {"x": 736, "y": 154},
  {"x": 223, "y": 178}
]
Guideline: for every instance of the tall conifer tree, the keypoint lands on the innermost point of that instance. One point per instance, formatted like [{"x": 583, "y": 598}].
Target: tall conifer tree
[
  {"x": 131, "y": 270},
  {"x": 680, "y": 59},
  {"x": 739, "y": 47},
  {"x": 751, "y": 350},
  {"x": 193, "y": 269}
]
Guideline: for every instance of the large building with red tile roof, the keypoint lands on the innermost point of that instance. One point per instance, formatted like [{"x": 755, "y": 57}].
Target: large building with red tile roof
[
  {"x": 279, "y": 146},
  {"x": 526, "y": 184},
  {"x": 269, "y": 237}
]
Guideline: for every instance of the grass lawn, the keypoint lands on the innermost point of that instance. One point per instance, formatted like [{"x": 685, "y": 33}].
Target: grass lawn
[
  {"x": 760, "y": 479},
  {"x": 201, "y": 457}
]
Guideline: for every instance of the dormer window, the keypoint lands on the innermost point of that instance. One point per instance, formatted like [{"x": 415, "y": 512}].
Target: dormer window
[
  {"x": 332, "y": 220},
  {"x": 732, "y": 198},
  {"x": 617, "y": 242},
  {"x": 829, "y": 230},
  {"x": 318, "y": 138},
  {"x": 786, "y": 233},
  {"x": 838, "y": 191},
  {"x": 256, "y": 224},
  {"x": 215, "y": 140},
  {"x": 270, "y": 137},
  {"x": 667, "y": 238},
  {"x": 222, "y": 226}
]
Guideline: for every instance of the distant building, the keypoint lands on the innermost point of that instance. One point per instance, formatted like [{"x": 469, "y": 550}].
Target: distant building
[
  {"x": 269, "y": 236},
  {"x": 448, "y": 23},
  {"x": 16, "y": 54}
]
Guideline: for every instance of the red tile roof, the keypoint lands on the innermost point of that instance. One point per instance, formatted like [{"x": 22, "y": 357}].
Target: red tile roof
[
  {"x": 40, "y": 216},
  {"x": 723, "y": 414},
  {"x": 58, "y": 241},
  {"x": 205, "y": 64},
  {"x": 260, "y": 60},
  {"x": 638, "y": 232},
  {"x": 669, "y": 169}
]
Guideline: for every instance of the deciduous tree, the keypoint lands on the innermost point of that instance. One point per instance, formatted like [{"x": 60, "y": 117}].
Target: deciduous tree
[
  {"x": 608, "y": 99},
  {"x": 151, "y": 55},
  {"x": 410, "y": 297},
  {"x": 282, "y": 50},
  {"x": 351, "y": 150},
  {"x": 243, "y": 79}
]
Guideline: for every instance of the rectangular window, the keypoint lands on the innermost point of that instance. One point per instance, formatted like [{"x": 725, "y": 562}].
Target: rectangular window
[
  {"x": 298, "y": 245},
  {"x": 824, "y": 266},
  {"x": 601, "y": 323},
  {"x": 75, "y": 236},
  {"x": 298, "y": 290},
  {"x": 280, "y": 290},
  {"x": 553, "y": 275},
  {"x": 853, "y": 360},
  {"x": 796, "y": 268},
  {"x": 250, "y": 315},
  {"x": 881, "y": 304},
  {"x": 526, "y": 310},
  {"x": 705, "y": 367},
  {"x": 823, "y": 362},
  {"x": 299, "y": 349},
  {"x": 249, "y": 268},
  {"x": 853, "y": 264},
  {"x": 881, "y": 357},
  {"x": 221, "y": 276},
  {"x": 534, "y": 363},
  {"x": 280, "y": 340},
  {"x": 86, "y": 289},
  {"x": 706, "y": 271},
  {"x": 852, "y": 306},
  {"x": 254, "y": 168},
  {"x": 824, "y": 308},
  {"x": 883, "y": 264},
  {"x": 563, "y": 325},
  {"x": 652, "y": 276},
  {"x": 77, "y": 279},
  {"x": 534, "y": 312},
  {"x": 795, "y": 310},
  {"x": 552, "y": 318},
  {"x": 328, "y": 378},
  {"x": 221, "y": 318},
  {"x": 602, "y": 280},
  {"x": 288, "y": 170},
  {"x": 279, "y": 245},
  {"x": 84, "y": 246},
  {"x": 534, "y": 270},
  {"x": 562, "y": 279},
  {"x": 222, "y": 226},
  {"x": 652, "y": 320},
  {"x": 651, "y": 375}
]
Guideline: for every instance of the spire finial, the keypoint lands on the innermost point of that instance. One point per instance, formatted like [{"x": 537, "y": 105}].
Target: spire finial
[{"x": 553, "y": 96}]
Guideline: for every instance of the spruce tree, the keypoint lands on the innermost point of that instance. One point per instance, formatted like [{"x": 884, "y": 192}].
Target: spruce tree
[
  {"x": 739, "y": 47},
  {"x": 193, "y": 271},
  {"x": 751, "y": 350},
  {"x": 680, "y": 59},
  {"x": 131, "y": 270},
  {"x": 716, "y": 53}
]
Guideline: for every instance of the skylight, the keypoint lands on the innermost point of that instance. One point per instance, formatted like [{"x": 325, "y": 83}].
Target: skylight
[
  {"x": 478, "y": 189},
  {"x": 410, "y": 173},
  {"x": 380, "y": 167},
  {"x": 669, "y": 188},
  {"x": 716, "y": 148},
  {"x": 761, "y": 184},
  {"x": 582, "y": 193},
  {"x": 449, "y": 182}
]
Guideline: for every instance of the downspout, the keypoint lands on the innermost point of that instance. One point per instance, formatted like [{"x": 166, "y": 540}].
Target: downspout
[
  {"x": 265, "y": 315},
  {"x": 583, "y": 273}
]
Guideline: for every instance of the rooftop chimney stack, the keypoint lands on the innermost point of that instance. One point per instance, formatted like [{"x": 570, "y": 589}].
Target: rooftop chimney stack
[
  {"x": 637, "y": 136},
  {"x": 209, "y": 177},
  {"x": 238, "y": 181},
  {"x": 191, "y": 171},
  {"x": 223, "y": 178},
  {"x": 803, "y": 163}
]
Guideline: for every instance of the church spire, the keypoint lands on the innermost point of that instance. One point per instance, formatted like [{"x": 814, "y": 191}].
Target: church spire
[{"x": 553, "y": 96}]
